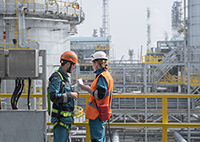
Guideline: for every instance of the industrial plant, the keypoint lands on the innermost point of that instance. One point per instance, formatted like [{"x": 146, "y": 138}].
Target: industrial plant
[{"x": 155, "y": 96}]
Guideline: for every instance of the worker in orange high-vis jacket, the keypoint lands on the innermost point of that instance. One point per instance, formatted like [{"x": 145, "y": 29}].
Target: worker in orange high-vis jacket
[{"x": 101, "y": 93}]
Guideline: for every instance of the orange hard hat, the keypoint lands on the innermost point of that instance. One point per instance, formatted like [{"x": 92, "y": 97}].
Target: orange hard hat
[{"x": 69, "y": 56}]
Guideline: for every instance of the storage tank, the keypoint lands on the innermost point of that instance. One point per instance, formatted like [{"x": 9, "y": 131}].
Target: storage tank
[
  {"x": 38, "y": 24},
  {"x": 193, "y": 23}
]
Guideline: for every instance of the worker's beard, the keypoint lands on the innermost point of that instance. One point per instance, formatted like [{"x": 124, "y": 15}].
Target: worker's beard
[{"x": 68, "y": 71}]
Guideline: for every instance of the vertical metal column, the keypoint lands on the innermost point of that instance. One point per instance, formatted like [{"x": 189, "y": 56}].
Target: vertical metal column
[
  {"x": 124, "y": 78},
  {"x": 188, "y": 89},
  {"x": 146, "y": 119},
  {"x": 145, "y": 78},
  {"x": 185, "y": 38},
  {"x": 76, "y": 85},
  {"x": 77, "y": 74},
  {"x": 44, "y": 78},
  {"x": 164, "y": 119},
  {"x": 179, "y": 74},
  {"x": 145, "y": 91}
]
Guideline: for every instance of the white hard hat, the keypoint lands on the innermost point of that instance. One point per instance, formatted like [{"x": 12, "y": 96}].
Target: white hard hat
[{"x": 99, "y": 55}]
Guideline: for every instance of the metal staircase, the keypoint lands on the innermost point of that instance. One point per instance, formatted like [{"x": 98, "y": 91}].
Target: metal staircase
[
  {"x": 163, "y": 68},
  {"x": 196, "y": 90},
  {"x": 196, "y": 101}
]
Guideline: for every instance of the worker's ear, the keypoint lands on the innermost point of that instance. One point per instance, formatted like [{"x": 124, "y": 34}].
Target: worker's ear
[{"x": 68, "y": 64}]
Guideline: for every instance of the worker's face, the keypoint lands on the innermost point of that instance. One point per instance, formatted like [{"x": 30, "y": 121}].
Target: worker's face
[
  {"x": 96, "y": 66},
  {"x": 67, "y": 66},
  {"x": 72, "y": 68}
]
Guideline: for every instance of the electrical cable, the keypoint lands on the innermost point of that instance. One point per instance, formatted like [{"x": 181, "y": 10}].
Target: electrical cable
[
  {"x": 20, "y": 91},
  {"x": 16, "y": 90},
  {"x": 29, "y": 91}
]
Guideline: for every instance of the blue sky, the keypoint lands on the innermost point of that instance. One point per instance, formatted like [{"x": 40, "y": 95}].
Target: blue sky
[{"x": 128, "y": 23}]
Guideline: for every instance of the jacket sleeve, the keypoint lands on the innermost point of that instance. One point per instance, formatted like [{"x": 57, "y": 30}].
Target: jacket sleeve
[
  {"x": 54, "y": 88},
  {"x": 101, "y": 89}
]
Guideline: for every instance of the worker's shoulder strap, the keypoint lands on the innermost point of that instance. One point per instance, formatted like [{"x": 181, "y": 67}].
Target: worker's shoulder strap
[{"x": 58, "y": 75}]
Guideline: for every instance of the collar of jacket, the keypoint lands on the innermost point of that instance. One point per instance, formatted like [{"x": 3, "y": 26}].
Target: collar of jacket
[
  {"x": 63, "y": 74},
  {"x": 98, "y": 71}
]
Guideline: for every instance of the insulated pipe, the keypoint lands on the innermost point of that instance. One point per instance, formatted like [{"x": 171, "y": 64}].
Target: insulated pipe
[
  {"x": 178, "y": 137},
  {"x": 40, "y": 19},
  {"x": 21, "y": 30},
  {"x": 196, "y": 116},
  {"x": 116, "y": 137}
]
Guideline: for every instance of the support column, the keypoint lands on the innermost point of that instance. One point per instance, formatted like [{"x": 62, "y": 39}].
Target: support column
[
  {"x": 188, "y": 92},
  {"x": 145, "y": 78},
  {"x": 44, "y": 79},
  {"x": 145, "y": 91},
  {"x": 146, "y": 119},
  {"x": 124, "y": 79}
]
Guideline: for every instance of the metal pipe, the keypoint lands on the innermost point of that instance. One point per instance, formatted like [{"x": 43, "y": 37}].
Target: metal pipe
[
  {"x": 194, "y": 133},
  {"x": 21, "y": 30},
  {"x": 20, "y": 25},
  {"x": 124, "y": 79},
  {"x": 185, "y": 38},
  {"x": 45, "y": 19},
  {"x": 178, "y": 137},
  {"x": 116, "y": 137},
  {"x": 146, "y": 119},
  {"x": 44, "y": 78},
  {"x": 196, "y": 116},
  {"x": 145, "y": 78},
  {"x": 188, "y": 89}
]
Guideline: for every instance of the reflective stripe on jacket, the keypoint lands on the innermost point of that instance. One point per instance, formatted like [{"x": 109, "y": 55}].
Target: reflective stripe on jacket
[{"x": 92, "y": 110}]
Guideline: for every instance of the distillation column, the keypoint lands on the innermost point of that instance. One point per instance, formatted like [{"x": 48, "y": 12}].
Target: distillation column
[{"x": 42, "y": 24}]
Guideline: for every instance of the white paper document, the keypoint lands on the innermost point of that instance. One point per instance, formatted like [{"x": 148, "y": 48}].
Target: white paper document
[{"x": 80, "y": 81}]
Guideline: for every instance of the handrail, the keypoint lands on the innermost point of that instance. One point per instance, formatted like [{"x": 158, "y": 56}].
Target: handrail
[
  {"x": 164, "y": 123},
  {"x": 22, "y": 95},
  {"x": 152, "y": 59},
  {"x": 78, "y": 110}
]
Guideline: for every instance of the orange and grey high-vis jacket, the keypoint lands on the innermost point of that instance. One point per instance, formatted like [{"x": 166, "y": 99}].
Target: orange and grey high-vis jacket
[{"x": 92, "y": 107}]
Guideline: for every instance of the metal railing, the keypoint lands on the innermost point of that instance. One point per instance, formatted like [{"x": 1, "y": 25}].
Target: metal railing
[
  {"x": 152, "y": 59},
  {"x": 164, "y": 123}
]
